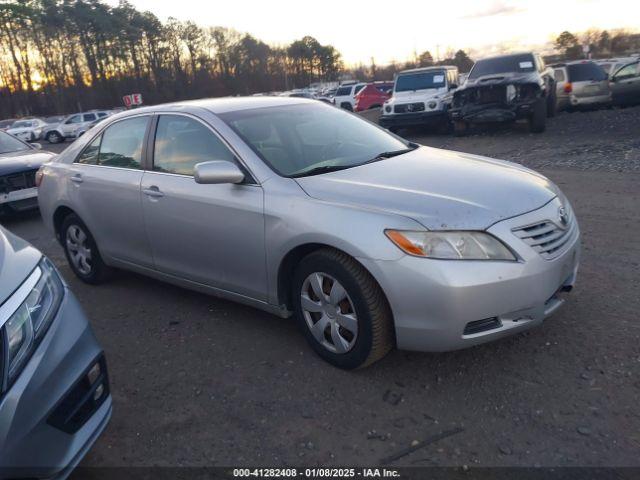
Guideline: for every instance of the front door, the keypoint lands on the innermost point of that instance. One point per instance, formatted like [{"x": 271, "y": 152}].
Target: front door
[
  {"x": 210, "y": 234},
  {"x": 625, "y": 86}
]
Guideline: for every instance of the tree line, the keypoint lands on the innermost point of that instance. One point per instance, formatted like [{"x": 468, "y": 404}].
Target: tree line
[
  {"x": 68, "y": 55},
  {"x": 600, "y": 44},
  {"x": 61, "y": 56}
]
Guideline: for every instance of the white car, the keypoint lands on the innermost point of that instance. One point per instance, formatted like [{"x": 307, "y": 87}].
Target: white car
[
  {"x": 421, "y": 96},
  {"x": 346, "y": 95},
  {"x": 27, "y": 130},
  {"x": 71, "y": 125}
]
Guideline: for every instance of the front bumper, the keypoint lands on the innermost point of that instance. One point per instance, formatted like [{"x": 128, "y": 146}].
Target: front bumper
[
  {"x": 19, "y": 200},
  {"x": 493, "y": 113},
  {"x": 434, "y": 301},
  {"x": 590, "y": 101},
  {"x": 30, "y": 446},
  {"x": 412, "y": 119}
]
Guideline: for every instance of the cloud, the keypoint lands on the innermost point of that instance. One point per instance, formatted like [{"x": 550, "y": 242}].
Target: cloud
[{"x": 494, "y": 10}]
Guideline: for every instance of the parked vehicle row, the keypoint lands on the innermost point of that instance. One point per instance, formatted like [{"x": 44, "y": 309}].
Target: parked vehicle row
[
  {"x": 53, "y": 129},
  {"x": 503, "y": 89}
]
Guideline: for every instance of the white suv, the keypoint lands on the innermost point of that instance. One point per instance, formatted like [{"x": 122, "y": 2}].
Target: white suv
[
  {"x": 421, "y": 96},
  {"x": 346, "y": 95},
  {"x": 69, "y": 127}
]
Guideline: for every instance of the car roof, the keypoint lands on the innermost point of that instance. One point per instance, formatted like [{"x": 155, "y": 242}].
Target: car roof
[
  {"x": 513, "y": 54},
  {"x": 222, "y": 105},
  {"x": 427, "y": 69}
]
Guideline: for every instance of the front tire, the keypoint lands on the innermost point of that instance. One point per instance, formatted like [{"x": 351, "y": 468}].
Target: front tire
[
  {"x": 82, "y": 252},
  {"x": 538, "y": 119},
  {"x": 341, "y": 310},
  {"x": 54, "y": 137},
  {"x": 460, "y": 128}
]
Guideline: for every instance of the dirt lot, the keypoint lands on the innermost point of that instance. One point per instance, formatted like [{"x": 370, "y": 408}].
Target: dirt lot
[{"x": 199, "y": 381}]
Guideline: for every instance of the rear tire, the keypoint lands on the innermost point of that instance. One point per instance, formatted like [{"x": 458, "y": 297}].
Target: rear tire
[
  {"x": 82, "y": 252},
  {"x": 538, "y": 118},
  {"x": 322, "y": 318}
]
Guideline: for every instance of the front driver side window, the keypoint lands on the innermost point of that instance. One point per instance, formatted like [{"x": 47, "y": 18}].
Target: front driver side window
[
  {"x": 628, "y": 71},
  {"x": 182, "y": 142}
]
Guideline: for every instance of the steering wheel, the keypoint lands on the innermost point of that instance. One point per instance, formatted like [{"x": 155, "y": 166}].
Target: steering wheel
[{"x": 330, "y": 150}]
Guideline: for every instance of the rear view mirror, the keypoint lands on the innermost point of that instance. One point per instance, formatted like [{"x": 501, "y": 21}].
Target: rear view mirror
[{"x": 217, "y": 171}]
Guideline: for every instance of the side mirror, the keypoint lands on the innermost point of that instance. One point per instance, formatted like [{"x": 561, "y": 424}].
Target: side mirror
[
  {"x": 217, "y": 171},
  {"x": 37, "y": 146}
]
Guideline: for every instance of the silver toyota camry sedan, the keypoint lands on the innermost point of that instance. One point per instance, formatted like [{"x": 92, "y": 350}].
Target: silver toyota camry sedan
[{"x": 299, "y": 208}]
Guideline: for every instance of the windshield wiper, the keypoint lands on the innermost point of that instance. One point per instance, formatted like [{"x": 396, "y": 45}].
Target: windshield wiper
[
  {"x": 320, "y": 170},
  {"x": 393, "y": 153}
]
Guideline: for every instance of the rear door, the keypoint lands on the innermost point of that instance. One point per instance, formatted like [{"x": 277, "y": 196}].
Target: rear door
[
  {"x": 105, "y": 189},
  {"x": 210, "y": 234}
]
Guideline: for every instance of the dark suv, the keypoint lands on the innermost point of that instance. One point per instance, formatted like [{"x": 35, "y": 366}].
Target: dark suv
[{"x": 506, "y": 88}]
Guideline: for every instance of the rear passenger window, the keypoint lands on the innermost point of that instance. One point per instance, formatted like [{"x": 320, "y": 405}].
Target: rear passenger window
[
  {"x": 122, "y": 143},
  {"x": 182, "y": 142},
  {"x": 90, "y": 154},
  {"x": 89, "y": 117}
]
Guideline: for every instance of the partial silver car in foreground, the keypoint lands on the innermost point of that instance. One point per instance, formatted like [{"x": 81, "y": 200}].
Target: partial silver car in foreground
[
  {"x": 54, "y": 391},
  {"x": 293, "y": 206}
]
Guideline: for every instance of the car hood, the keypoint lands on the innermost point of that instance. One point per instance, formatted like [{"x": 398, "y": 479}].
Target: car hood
[
  {"x": 506, "y": 78},
  {"x": 17, "y": 261},
  {"x": 417, "y": 95},
  {"x": 440, "y": 189},
  {"x": 13, "y": 131},
  {"x": 14, "y": 162}
]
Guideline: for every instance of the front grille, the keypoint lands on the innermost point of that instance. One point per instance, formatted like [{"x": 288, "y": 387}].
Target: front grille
[
  {"x": 548, "y": 237},
  {"x": 492, "y": 94},
  {"x": 18, "y": 181},
  {"x": 409, "y": 107}
]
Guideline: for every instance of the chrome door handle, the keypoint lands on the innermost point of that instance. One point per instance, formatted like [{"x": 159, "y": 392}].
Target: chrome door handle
[
  {"x": 153, "y": 192},
  {"x": 77, "y": 179}
]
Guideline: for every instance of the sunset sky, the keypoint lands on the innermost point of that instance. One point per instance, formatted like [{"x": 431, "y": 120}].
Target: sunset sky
[{"x": 394, "y": 30}]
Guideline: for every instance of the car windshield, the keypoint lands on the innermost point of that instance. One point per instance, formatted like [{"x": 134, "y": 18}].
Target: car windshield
[
  {"x": 10, "y": 144},
  {"x": 419, "y": 81},
  {"x": 296, "y": 140},
  {"x": 21, "y": 124},
  {"x": 582, "y": 72},
  {"x": 510, "y": 63}
]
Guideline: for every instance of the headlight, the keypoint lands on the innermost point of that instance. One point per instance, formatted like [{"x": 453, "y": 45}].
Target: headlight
[
  {"x": 387, "y": 109},
  {"x": 451, "y": 245},
  {"x": 432, "y": 105},
  {"x": 28, "y": 323}
]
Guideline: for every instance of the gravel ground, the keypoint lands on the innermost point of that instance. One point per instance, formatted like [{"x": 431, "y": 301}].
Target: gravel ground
[{"x": 199, "y": 381}]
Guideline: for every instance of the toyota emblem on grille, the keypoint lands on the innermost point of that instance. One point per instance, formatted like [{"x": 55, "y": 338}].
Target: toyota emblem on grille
[{"x": 564, "y": 216}]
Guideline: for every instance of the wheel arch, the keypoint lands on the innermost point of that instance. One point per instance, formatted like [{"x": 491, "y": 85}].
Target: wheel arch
[
  {"x": 60, "y": 213},
  {"x": 291, "y": 260}
]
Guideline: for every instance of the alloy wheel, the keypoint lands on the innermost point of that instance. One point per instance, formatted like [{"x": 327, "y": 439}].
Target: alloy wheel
[
  {"x": 79, "y": 250},
  {"x": 329, "y": 312}
]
